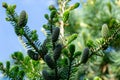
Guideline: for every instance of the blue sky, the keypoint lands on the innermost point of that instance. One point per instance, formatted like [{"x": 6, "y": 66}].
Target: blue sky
[
  {"x": 9, "y": 42},
  {"x": 36, "y": 9}
]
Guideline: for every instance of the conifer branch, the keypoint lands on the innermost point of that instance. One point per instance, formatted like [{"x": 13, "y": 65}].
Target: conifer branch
[
  {"x": 31, "y": 43},
  {"x": 108, "y": 41}
]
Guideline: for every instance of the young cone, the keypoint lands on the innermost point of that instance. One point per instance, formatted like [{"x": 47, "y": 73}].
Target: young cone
[
  {"x": 33, "y": 55},
  {"x": 46, "y": 75},
  {"x": 57, "y": 51},
  {"x": 105, "y": 31},
  {"x": 55, "y": 34},
  {"x": 22, "y": 21},
  {"x": 85, "y": 55},
  {"x": 49, "y": 61}
]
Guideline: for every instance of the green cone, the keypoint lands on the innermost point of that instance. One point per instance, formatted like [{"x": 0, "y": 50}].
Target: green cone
[
  {"x": 66, "y": 15},
  {"x": 53, "y": 13}
]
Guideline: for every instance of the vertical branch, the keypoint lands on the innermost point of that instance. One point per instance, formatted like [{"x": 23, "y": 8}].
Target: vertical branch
[{"x": 62, "y": 10}]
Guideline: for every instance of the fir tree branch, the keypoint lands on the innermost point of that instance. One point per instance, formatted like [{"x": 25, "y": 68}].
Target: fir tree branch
[
  {"x": 22, "y": 64},
  {"x": 14, "y": 20},
  {"x": 108, "y": 41},
  {"x": 33, "y": 45}
]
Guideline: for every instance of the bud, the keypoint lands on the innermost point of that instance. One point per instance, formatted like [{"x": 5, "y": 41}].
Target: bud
[
  {"x": 72, "y": 49},
  {"x": 72, "y": 38},
  {"x": 49, "y": 61},
  {"x": 22, "y": 21},
  {"x": 45, "y": 26},
  {"x": 19, "y": 31},
  {"x": 55, "y": 20},
  {"x": 51, "y": 7},
  {"x": 34, "y": 35},
  {"x": 57, "y": 51},
  {"x": 7, "y": 19},
  {"x": 4, "y": 4},
  {"x": 55, "y": 34},
  {"x": 17, "y": 56},
  {"x": 14, "y": 6},
  {"x": 105, "y": 31},
  {"x": 33, "y": 55},
  {"x": 8, "y": 65},
  {"x": 65, "y": 52},
  {"x": 76, "y": 54},
  {"x": 76, "y": 5},
  {"x": 66, "y": 15},
  {"x": 46, "y": 16},
  {"x": 85, "y": 55},
  {"x": 53, "y": 13}
]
